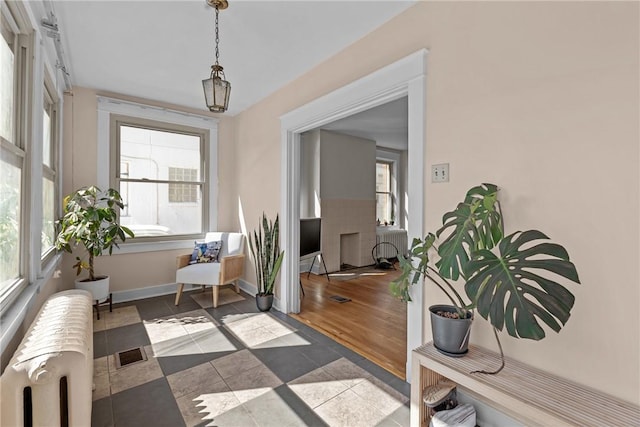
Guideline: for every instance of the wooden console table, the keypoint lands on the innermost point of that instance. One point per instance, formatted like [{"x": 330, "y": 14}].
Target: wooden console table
[{"x": 527, "y": 394}]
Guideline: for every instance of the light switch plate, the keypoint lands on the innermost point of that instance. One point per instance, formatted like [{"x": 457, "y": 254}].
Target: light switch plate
[{"x": 440, "y": 173}]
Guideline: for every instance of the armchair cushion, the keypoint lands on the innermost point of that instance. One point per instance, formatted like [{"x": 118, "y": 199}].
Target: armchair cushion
[
  {"x": 199, "y": 274},
  {"x": 206, "y": 252}
]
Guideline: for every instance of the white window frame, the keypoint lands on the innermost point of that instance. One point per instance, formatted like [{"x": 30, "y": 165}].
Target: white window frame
[
  {"x": 393, "y": 157},
  {"x": 124, "y": 194},
  {"x": 111, "y": 106},
  {"x": 391, "y": 193},
  {"x": 18, "y": 151},
  {"x": 34, "y": 270},
  {"x": 51, "y": 98},
  {"x": 118, "y": 122}
]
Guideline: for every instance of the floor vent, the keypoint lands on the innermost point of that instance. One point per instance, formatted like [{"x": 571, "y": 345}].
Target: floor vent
[
  {"x": 338, "y": 298},
  {"x": 129, "y": 357}
]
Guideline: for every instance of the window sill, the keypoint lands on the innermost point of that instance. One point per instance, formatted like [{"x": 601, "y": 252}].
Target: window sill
[{"x": 140, "y": 247}]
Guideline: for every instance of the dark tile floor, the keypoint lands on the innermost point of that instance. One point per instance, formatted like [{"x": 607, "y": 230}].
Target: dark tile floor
[{"x": 233, "y": 366}]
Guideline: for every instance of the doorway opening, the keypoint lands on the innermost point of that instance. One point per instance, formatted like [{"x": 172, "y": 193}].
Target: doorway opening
[
  {"x": 404, "y": 78},
  {"x": 353, "y": 182}
]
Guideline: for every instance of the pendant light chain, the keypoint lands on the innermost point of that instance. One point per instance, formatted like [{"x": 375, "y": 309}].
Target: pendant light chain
[{"x": 217, "y": 37}]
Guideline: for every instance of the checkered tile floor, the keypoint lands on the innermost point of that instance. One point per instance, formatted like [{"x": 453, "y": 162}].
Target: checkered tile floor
[{"x": 233, "y": 366}]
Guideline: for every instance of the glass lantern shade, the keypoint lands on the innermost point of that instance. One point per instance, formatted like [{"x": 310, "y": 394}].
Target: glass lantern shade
[{"x": 217, "y": 91}]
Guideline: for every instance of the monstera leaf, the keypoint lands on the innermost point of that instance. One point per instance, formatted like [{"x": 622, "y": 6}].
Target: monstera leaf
[
  {"x": 411, "y": 275},
  {"x": 475, "y": 224},
  {"x": 509, "y": 291}
]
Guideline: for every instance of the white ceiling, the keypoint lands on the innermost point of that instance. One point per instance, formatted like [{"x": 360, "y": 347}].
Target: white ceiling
[
  {"x": 385, "y": 124},
  {"x": 162, "y": 50}
]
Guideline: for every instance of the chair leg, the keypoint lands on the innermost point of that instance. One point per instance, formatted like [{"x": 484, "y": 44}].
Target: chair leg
[
  {"x": 215, "y": 296},
  {"x": 179, "y": 293},
  {"x": 237, "y": 285}
]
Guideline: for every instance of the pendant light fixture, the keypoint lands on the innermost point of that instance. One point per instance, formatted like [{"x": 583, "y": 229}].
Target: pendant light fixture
[{"x": 216, "y": 88}]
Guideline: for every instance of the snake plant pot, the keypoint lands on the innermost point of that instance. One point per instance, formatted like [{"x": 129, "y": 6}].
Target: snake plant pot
[
  {"x": 450, "y": 336},
  {"x": 264, "y": 301},
  {"x": 99, "y": 288}
]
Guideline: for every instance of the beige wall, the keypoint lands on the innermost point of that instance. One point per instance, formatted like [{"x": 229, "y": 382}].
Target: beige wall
[
  {"x": 347, "y": 199},
  {"x": 540, "y": 98},
  {"x": 133, "y": 271},
  {"x": 347, "y": 167}
]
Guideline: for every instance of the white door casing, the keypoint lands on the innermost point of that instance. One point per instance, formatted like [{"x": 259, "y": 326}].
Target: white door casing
[{"x": 405, "y": 77}]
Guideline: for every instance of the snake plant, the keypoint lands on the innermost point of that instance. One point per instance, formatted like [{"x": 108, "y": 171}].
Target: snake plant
[
  {"x": 511, "y": 280},
  {"x": 265, "y": 249}
]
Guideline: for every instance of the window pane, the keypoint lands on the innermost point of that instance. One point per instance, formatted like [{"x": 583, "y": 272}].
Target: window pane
[
  {"x": 383, "y": 177},
  {"x": 48, "y": 215},
  {"x": 6, "y": 83},
  {"x": 150, "y": 152},
  {"x": 46, "y": 137},
  {"x": 151, "y": 214},
  {"x": 10, "y": 189},
  {"x": 383, "y": 207},
  {"x": 180, "y": 192}
]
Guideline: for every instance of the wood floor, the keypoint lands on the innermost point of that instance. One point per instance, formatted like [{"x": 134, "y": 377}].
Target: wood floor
[{"x": 373, "y": 323}]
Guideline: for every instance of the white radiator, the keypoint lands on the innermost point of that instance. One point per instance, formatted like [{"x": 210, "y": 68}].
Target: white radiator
[
  {"x": 56, "y": 354},
  {"x": 396, "y": 237}
]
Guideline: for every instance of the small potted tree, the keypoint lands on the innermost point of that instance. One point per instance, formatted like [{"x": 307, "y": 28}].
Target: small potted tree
[
  {"x": 510, "y": 280},
  {"x": 91, "y": 219},
  {"x": 267, "y": 258}
]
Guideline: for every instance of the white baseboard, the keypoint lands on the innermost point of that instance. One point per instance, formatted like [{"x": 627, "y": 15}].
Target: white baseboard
[
  {"x": 149, "y": 292},
  {"x": 252, "y": 290},
  {"x": 278, "y": 305},
  {"x": 171, "y": 288},
  {"x": 249, "y": 288}
]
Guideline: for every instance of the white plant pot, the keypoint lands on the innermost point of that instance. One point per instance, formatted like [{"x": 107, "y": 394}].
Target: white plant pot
[{"x": 99, "y": 288}]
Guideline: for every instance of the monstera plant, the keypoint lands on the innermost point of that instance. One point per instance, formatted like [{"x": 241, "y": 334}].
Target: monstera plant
[{"x": 510, "y": 280}]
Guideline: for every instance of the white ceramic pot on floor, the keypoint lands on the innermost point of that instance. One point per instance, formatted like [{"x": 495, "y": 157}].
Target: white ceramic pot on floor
[{"x": 98, "y": 288}]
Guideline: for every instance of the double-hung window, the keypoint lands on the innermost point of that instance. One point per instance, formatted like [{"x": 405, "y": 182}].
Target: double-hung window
[
  {"x": 14, "y": 68},
  {"x": 160, "y": 171},
  {"x": 385, "y": 210}
]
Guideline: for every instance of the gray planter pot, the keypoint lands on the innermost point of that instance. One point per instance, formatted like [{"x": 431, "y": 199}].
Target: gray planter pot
[
  {"x": 450, "y": 336},
  {"x": 264, "y": 302}
]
